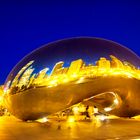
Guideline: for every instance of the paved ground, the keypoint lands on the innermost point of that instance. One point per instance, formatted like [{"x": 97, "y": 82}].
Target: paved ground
[{"x": 125, "y": 129}]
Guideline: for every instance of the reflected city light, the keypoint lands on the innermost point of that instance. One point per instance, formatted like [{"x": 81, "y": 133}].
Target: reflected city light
[
  {"x": 108, "y": 109},
  {"x": 58, "y": 76},
  {"x": 116, "y": 101},
  {"x": 71, "y": 119},
  {"x": 75, "y": 109},
  {"x": 102, "y": 117},
  {"x": 43, "y": 120}
]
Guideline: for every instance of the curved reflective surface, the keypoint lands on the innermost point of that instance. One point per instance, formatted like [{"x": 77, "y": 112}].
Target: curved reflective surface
[{"x": 63, "y": 73}]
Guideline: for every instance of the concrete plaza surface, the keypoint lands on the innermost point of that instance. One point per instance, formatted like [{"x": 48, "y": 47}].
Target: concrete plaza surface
[{"x": 14, "y": 129}]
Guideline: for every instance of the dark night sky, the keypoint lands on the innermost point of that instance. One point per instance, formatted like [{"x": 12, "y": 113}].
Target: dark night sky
[{"x": 24, "y": 26}]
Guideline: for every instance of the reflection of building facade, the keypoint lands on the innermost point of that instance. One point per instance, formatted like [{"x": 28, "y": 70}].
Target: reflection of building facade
[
  {"x": 116, "y": 63},
  {"x": 103, "y": 63},
  {"x": 24, "y": 80},
  {"x": 41, "y": 75},
  {"x": 61, "y": 71},
  {"x": 75, "y": 66},
  {"x": 31, "y": 81},
  {"x": 88, "y": 70},
  {"x": 15, "y": 81},
  {"x": 56, "y": 67}
]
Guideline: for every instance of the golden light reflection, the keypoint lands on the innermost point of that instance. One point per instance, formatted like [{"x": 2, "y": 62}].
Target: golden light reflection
[
  {"x": 43, "y": 120},
  {"x": 78, "y": 71},
  {"x": 71, "y": 119},
  {"x": 75, "y": 110},
  {"x": 114, "y": 104}
]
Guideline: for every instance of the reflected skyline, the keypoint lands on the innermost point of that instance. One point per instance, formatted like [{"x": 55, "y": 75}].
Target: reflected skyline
[
  {"x": 67, "y": 50},
  {"x": 78, "y": 69}
]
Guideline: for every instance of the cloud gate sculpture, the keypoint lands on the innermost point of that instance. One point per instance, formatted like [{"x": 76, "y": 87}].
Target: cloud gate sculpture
[{"x": 66, "y": 72}]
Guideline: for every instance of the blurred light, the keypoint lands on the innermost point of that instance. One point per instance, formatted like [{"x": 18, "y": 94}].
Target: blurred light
[
  {"x": 1, "y": 98},
  {"x": 75, "y": 109},
  {"x": 81, "y": 80},
  {"x": 108, "y": 109},
  {"x": 74, "y": 75},
  {"x": 116, "y": 101},
  {"x": 53, "y": 82},
  {"x": 71, "y": 119},
  {"x": 65, "y": 80},
  {"x": 43, "y": 120},
  {"x": 102, "y": 117}
]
